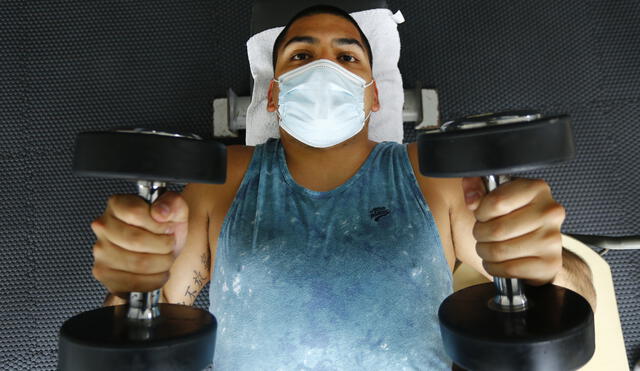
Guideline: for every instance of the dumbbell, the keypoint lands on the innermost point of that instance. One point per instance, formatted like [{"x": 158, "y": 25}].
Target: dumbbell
[
  {"x": 143, "y": 334},
  {"x": 507, "y": 325}
]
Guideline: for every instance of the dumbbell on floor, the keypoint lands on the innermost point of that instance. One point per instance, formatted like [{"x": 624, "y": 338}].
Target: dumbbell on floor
[
  {"x": 507, "y": 325},
  {"x": 143, "y": 334}
]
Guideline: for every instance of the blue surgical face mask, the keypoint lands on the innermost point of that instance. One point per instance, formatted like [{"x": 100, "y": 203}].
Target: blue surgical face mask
[{"x": 321, "y": 103}]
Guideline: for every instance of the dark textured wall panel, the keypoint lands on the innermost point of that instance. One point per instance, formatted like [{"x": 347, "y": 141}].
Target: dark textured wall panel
[
  {"x": 625, "y": 126},
  {"x": 617, "y": 34},
  {"x": 62, "y": 242},
  {"x": 16, "y": 289},
  {"x": 97, "y": 65},
  {"x": 497, "y": 55},
  {"x": 13, "y": 85}
]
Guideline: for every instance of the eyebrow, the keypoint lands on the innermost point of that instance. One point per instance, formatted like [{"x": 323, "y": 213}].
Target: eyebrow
[{"x": 312, "y": 40}]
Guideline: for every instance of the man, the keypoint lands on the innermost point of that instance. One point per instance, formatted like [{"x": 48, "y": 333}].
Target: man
[{"x": 330, "y": 251}]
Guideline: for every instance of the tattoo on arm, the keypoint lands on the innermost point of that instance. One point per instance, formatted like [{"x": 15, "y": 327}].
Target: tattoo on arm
[
  {"x": 206, "y": 261},
  {"x": 198, "y": 279},
  {"x": 191, "y": 294}
]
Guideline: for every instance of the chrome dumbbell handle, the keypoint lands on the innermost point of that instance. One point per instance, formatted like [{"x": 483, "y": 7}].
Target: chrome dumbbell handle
[
  {"x": 509, "y": 291},
  {"x": 143, "y": 306}
]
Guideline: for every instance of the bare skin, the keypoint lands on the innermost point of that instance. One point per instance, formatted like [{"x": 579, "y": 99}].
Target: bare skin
[{"x": 513, "y": 231}]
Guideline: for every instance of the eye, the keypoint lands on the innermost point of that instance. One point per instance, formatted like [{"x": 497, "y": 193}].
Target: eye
[
  {"x": 293, "y": 58},
  {"x": 353, "y": 59}
]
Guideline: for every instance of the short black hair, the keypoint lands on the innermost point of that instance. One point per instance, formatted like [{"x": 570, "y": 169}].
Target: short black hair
[{"x": 319, "y": 9}]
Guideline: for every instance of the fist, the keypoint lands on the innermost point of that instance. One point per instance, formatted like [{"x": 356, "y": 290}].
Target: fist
[
  {"x": 138, "y": 243},
  {"x": 517, "y": 229}
]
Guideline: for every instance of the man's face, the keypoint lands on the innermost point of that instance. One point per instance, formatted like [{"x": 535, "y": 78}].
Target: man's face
[{"x": 324, "y": 36}]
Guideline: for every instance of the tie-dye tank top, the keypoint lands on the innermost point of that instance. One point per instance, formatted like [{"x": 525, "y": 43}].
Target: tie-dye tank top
[{"x": 349, "y": 279}]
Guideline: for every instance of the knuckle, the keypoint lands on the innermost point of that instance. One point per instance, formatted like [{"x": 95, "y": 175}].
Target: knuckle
[
  {"x": 97, "y": 272},
  {"x": 135, "y": 239},
  {"x": 496, "y": 230},
  {"x": 95, "y": 224},
  {"x": 113, "y": 202},
  {"x": 140, "y": 263},
  {"x": 497, "y": 251},
  {"x": 553, "y": 238},
  {"x": 132, "y": 213},
  {"x": 542, "y": 185},
  {"x": 557, "y": 213},
  {"x": 97, "y": 250},
  {"x": 499, "y": 202}
]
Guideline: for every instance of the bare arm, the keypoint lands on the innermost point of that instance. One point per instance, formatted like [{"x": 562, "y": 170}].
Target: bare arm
[
  {"x": 208, "y": 205},
  {"x": 576, "y": 276}
]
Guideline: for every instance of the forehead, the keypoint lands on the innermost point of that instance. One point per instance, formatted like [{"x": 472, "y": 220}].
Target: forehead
[{"x": 323, "y": 25}]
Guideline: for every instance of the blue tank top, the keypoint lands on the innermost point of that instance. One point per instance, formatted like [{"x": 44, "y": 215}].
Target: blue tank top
[{"x": 349, "y": 279}]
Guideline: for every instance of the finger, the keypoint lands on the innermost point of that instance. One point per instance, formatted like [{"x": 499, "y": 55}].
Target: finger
[
  {"x": 133, "y": 210},
  {"x": 133, "y": 238},
  {"x": 541, "y": 243},
  {"x": 525, "y": 220},
  {"x": 170, "y": 207},
  {"x": 509, "y": 197},
  {"x": 115, "y": 257},
  {"x": 119, "y": 282},
  {"x": 534, "y": 269},
  {"x": 473, "y": 191}
]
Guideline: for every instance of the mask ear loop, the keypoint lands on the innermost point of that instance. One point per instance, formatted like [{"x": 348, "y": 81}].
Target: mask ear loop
[
  {"x": 366, "y": 86},
  {"x": 278, "y": 109},
  {"x": 368, "y": 116}
]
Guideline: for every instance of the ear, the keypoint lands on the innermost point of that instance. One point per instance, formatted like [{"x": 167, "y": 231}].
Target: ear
[
  {"x": 375, "y": 107},
  {"x": 272, "y": 105}
]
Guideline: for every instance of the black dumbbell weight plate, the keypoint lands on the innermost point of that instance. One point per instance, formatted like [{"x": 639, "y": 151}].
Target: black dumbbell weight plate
[
  {"x": 182, "y": 338},
  {"x": 149, "y": 156},
  {"x": 481, "y": 148},
  {"x": 554, "y": 333}
]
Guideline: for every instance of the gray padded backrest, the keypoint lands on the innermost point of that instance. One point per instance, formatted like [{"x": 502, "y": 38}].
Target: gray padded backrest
[{"x": 268, "y": 14}]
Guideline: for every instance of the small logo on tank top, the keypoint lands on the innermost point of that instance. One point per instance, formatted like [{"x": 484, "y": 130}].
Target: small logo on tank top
[{"x": 378, "y": 212}]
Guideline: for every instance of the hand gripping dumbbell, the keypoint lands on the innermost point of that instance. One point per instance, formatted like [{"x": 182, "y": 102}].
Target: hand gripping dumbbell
[
  {"x": 506, "y": 325},
  {"x": 143, "y": 334}
]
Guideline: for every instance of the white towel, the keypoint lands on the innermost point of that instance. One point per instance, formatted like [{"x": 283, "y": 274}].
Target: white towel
[{"x": 380, "y": 26}]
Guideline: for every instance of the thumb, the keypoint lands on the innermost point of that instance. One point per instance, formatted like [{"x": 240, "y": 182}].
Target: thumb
[
  {"x": 473, "y": 190},
  {"x": 170, "y": 207}
]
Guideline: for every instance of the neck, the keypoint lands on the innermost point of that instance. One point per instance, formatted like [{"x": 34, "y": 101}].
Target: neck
[{"x": 324, "y": 169}]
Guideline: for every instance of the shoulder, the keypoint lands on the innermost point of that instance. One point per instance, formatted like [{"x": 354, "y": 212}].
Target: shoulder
[
  {"x": 238, "y": 161},
  {"x": 447, "y": 189}
]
